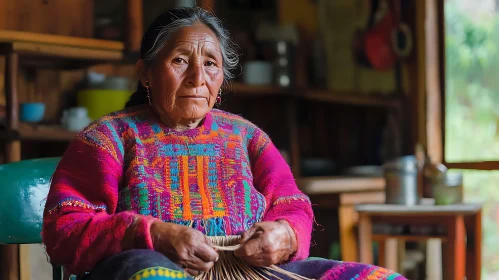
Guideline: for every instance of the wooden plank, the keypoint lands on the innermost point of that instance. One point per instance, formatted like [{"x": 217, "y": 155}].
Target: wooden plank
[
  {"x": 362, "y": 197},
  {"x": 482, "y": 165},
  {"x": 328, "y": 185},
  {"x": 353, "y": 98},
  {"x": 8, "y": 36},
  {"x": 430, "y": 210},
  {"x": 245, "y": 89},
  {"x": 53, "y": 133},
  {"x": 70, "y": 18},
  {"x": 67, "y": 52}
]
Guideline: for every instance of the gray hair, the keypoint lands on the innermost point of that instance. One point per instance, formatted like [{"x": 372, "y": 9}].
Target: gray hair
[{"x": 183, "y": 17}]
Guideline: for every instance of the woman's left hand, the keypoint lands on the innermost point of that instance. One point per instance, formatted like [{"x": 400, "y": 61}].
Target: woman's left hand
[{"x": 267, "y": 243}]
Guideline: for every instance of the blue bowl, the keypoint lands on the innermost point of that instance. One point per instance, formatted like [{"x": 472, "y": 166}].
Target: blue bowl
[{"x": 32, "y": 112}]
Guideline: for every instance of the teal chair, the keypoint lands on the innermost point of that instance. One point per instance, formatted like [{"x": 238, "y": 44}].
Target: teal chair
[{"x": 24, "y": 185}]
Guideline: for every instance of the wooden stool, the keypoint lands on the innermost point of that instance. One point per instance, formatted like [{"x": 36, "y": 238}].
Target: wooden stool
[{"x": 462, "y": 223}]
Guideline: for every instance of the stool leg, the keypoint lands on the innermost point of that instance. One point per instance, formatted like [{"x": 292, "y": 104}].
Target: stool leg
[
  {"x": 455, "y": 249},
  {"x": 391, "y": 254},
  {"x": 434, "y": 259},
  {"x": 365, "y": 239}
]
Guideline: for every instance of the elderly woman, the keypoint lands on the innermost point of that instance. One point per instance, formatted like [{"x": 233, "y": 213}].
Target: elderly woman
[{"x": 140, "y": 193}]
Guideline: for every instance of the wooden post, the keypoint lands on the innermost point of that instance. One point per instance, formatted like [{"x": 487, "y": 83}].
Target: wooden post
[
  {"x": 9, "y": 262},
  {"x": 434, "y": 127},
  {"x": 135, "y": 25}
]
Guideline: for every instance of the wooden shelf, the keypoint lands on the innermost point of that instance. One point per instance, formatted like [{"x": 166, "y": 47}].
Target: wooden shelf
[
  {"x": 8, "y": 36},
  {"x": 251, "y": 90},
  {"x": 43, "y": 132},
  {"x": 410, "y": 238},
  {"x": 353, "y": 98},
  {"x": 330, "y": 185},
  {"x": 41, "y": 50},
  {"x": 346, "y": 98}
]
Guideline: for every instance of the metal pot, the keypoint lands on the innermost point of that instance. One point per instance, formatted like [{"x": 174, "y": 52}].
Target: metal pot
[{"x": 401, "y": 177}]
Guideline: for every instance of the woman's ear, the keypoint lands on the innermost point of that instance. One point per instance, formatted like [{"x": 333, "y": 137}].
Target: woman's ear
[{"x": 142, "y": 71}]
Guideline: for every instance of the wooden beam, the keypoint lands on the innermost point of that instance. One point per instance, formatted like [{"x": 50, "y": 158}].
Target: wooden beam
[
  {"x": 135, "y": 25},
  {"x": 433, "y": 82},
  {"x": 482, "y": 165}
]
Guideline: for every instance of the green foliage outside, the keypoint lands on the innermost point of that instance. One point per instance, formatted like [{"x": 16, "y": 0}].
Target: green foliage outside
[{"x": 472, "y": 113}]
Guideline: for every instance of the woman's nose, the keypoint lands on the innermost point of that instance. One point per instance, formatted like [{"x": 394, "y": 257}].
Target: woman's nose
[{"x": 196, "y": 75}]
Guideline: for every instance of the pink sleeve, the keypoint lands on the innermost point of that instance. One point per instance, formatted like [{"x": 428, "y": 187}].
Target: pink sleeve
[
  {"x": 80, "y": 226},
  {"x": 274, "y": 179}
]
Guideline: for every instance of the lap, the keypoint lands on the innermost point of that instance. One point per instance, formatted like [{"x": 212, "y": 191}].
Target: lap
[
  {"x": 151, "y": 265},
  {"x": 137, "y": 264},
  {"x": 324, "y": 269}
]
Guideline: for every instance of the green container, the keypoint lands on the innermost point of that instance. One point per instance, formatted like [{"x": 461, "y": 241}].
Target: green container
[{"x": 100, "y": 102}]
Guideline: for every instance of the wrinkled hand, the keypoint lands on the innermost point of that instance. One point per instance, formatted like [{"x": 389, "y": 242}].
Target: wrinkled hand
[
  {"x": 185, "y": 246},
  {"x": 267, "y": 243}
]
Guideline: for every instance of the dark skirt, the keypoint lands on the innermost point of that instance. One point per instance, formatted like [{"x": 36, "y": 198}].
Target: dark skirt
[{"x": 151, "y": 265}]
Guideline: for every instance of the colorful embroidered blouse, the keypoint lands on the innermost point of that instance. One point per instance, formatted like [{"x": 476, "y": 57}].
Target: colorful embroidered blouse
[{"x": 219, "y": 178}]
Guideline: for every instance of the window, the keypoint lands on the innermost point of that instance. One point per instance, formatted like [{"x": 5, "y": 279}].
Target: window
[{"x": 471, "y": 135}]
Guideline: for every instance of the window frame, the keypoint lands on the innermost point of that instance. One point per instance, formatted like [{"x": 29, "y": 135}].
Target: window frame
[{"x": 435, "y": 89}]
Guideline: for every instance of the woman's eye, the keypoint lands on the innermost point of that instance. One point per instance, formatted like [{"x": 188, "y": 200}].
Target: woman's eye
[
  {"x": 179, "y": 60},
  {"x": 210, "y": 63}
]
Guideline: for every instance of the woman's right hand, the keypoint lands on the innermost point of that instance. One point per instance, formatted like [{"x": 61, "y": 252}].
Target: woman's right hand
[{"x": 185, "y": 246}]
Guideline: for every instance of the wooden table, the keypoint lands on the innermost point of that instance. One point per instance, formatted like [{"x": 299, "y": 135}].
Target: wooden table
[
  {"x": 462, "y": 241},
  {"x": 343, "y": 193}
]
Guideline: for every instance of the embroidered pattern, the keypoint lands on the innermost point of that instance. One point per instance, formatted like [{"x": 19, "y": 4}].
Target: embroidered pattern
[
  {"x": 72, "y": 202},
  {"x": 356, "y": 271},
  {"x": 292, "y": 198},
  {"x": 201, "y": 178},
  {"x": 153, "y": 273}
]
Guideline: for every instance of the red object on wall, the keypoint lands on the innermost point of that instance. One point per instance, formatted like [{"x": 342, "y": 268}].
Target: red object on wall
[{"x": 378, "y": 43}]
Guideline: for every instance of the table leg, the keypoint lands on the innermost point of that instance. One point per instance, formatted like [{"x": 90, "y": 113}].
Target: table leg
[
  {"x": 365, "y": 239},
  {"x": 474, "y": 246},
  {"x": 348, "y": 238},
  {"x": 455, "y": 249}
]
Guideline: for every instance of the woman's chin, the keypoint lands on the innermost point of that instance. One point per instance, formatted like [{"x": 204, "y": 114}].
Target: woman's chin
[{"x": 194, "y": 112}]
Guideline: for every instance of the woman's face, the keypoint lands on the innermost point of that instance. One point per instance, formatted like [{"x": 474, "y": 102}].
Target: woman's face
[{"x": 185, "y": 80}]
